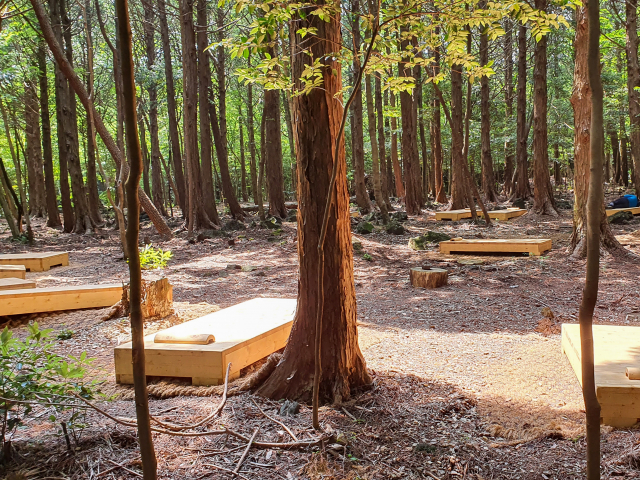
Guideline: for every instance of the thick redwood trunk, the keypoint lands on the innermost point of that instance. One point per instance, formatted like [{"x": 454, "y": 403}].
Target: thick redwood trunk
[
  {"x": 375, "y": 159},
  {"x": 253, "y": 171},
  {"x": 53, "y": 217},
  {"x": 397, "y": 170},
  {"x": 410, "y": 158},
  {"x": 243, "y": 163},
  {"x": 488, "y": 177},
  {"x": 581, "y": 102},
  {"x": 436, "y": 136},
  {"x": 458, "y": 190},
  {"x": 34, "y": 152},
  {"x": 521, "y": 188},
  {"x": 509, "y": 155},
  {"x": 382, "y": 147},
  {"x": 174, "y": 137},
  {"x": 318, "y": 116}
]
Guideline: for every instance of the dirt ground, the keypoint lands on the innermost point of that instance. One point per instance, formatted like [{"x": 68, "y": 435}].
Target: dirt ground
[{"x": 470, "y": 380}]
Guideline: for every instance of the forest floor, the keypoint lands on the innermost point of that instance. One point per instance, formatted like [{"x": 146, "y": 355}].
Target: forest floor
[{"x": 470, "y": 380}]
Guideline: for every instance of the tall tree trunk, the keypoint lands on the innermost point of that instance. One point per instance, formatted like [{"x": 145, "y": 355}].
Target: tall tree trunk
[
  {"x": 582, "y": 112},
  {"x": 37, "y": 199},
  {"x": 458, "y": 190},
  {"x": 273, "y": 150},
  {"x": 243, "y": 166},
  {"x": 633, "y": 84},
  {"x": 488, "y": 177},
  {"x": 357, "y": 128},
  {"x": 174, "y": 136},
  {"x": 382, "y": 147},
  {"x": 436, "y": 135},
  {"x": 521, "y": 187},
  {"x": 509, "y": 155},
  {"x": 397, "y": 170},
  {"x": 286, "y": 100},
  {"x": 147, "y": 452},
  {"x": 204, "y": 85},
  {"x": 410, "y": 159},
  {"x": 83, "y": 222},
  {"x": 375, "y": 159},
  {"x": 423, "y": 138},
  {"x": 197, "y": 216},
  {"x": 319, "y": 113},
  {"x": 219, "y": 121},
  {"x": 595, "y": 201},
  {"x": 53, "y": 217},
  {"x": 624, "y": 159},
  {"x": 152, "y": 88},
  {"x": 146, "y": 185},
  {"x": 391, "y": 182},
  {"x": 252, "y": 144},
  {"x": 615, "y": 153}
]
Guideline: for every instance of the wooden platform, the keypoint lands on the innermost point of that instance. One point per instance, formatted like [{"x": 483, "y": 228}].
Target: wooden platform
[
  {"x": 244, "y": 334},
  {"x": 52, "y": 299},
  {"x": 13, "y": 271},
  {"x": 36, "y": 262},
  {"x": 494, "y": 214},
  {"x": 633, "y": 210},
  {"x": 535, "y": 246},
  {"x": 615, "y": 349},
  {"x": 16, "y": 284}
]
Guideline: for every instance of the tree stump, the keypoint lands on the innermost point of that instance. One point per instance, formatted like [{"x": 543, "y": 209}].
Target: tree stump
[
  {"x": 428, "y": 277},
  {"x": 157, "y": 301}
]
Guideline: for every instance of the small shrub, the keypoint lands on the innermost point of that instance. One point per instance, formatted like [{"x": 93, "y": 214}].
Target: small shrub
[
  {"x": 33, "y": 374},
  {"x": 367, "y": 257},
  {"x": 152, "y": 258}
]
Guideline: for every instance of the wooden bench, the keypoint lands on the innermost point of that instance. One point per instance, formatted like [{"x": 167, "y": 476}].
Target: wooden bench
[
  {"x": 615, "y": 349},
  {"x": 51, "y": 299},
  {"x": 13, "y": 271},
  {"x": 244, "y": 334},
  {"x": 632, "y": 210},
  {"x": 36, "y": 262},
  {"x": 16, "y": 284},
  {"x": 455, "y": 215},
  {"x": 535, "y": 246}
]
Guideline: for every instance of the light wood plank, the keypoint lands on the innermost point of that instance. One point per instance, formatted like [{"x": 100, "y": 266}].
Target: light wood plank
[
  {"x": 244, "y": 333},
  {"x": 455, "y": 215},
  {"x": 34, "y": 261},
  {"x": 507, "y": 214},
  {"x": 535, "y": 246},
  {"x": 613, "y": 211},
  {"x": 16, "y": 283},
  {"x": 13, "y": 271},
  {"x": 615, "y": 349},
  {"x": 52, "y": 299}
]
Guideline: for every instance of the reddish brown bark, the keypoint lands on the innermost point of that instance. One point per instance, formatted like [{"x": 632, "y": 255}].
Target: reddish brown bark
[
  {"x": 488, "y": 177},
  {"x": 273, "y": 152},
  {"x": 521, "y": 188},
  {"x": 397, "y": 170},
  {"x": 319, "y": 115},
  {"x": 458, "y": 190},
  {"x": 633, "y": 84}
]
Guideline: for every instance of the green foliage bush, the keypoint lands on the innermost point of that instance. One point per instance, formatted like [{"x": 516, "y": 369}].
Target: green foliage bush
[
  {"x": 33, "y": 374},
  {"x": 152, "y": 258}
]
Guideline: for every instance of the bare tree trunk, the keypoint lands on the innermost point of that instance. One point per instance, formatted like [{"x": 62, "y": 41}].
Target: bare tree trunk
[
  {"x": 147, "y": 452},
  {"x": 375, "y": 160},
  {"x": 252, "y": 144},
  {"x": 410, "y": 159},
  {"x": 204, "y": 85},
  {"x": 37, "y": 200},
  {"x": 624, "y": 159},
  {"x": 488, "y": 177},
  {"x": 397, "y": 171},
  {"x": 286, "y": 99},
  {"x": 391, "y": 182},
  {"x": 219, "y": 122},
  {"x": 509, "y": 155},
  {"x": 382, "y": 150},
  {"x": 343, "y": 366},
  {"x": 595, "y": 200},
  {"x": 633, "y": 84},
  {"x": 458, "y": 190},
  {"x": 436, "y": 135},
  {"x": 423, "y": 137},
  {"x": 6, "y": 210},
  {"x": 357, "y": 128},
  {"x": 146, "y": 185},
  {"x": 174, "y": 137},
  {"x": 53, "y": 217},
  {"x": 521, "y": 188},
  {"x": 243, "y": 166}
]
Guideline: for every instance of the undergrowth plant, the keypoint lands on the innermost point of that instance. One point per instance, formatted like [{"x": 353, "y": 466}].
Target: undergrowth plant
[
  {"x": 152, "y": 258},
  {"x": 33, "y": 375}
]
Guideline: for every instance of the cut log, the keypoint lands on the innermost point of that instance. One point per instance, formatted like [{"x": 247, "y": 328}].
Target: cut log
[
  {"x": 428, "y": 278},
  {"x": 13, "y": 271},
  {"x": 157, "y": 301}
]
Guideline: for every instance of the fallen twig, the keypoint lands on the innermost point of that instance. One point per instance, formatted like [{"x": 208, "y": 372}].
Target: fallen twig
[
  {"x": 246, "y": 450},
  {"x": 118, "y": 465},
  {"x": 231, "y": 472},
  {"x": 295, "y": 439}
]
